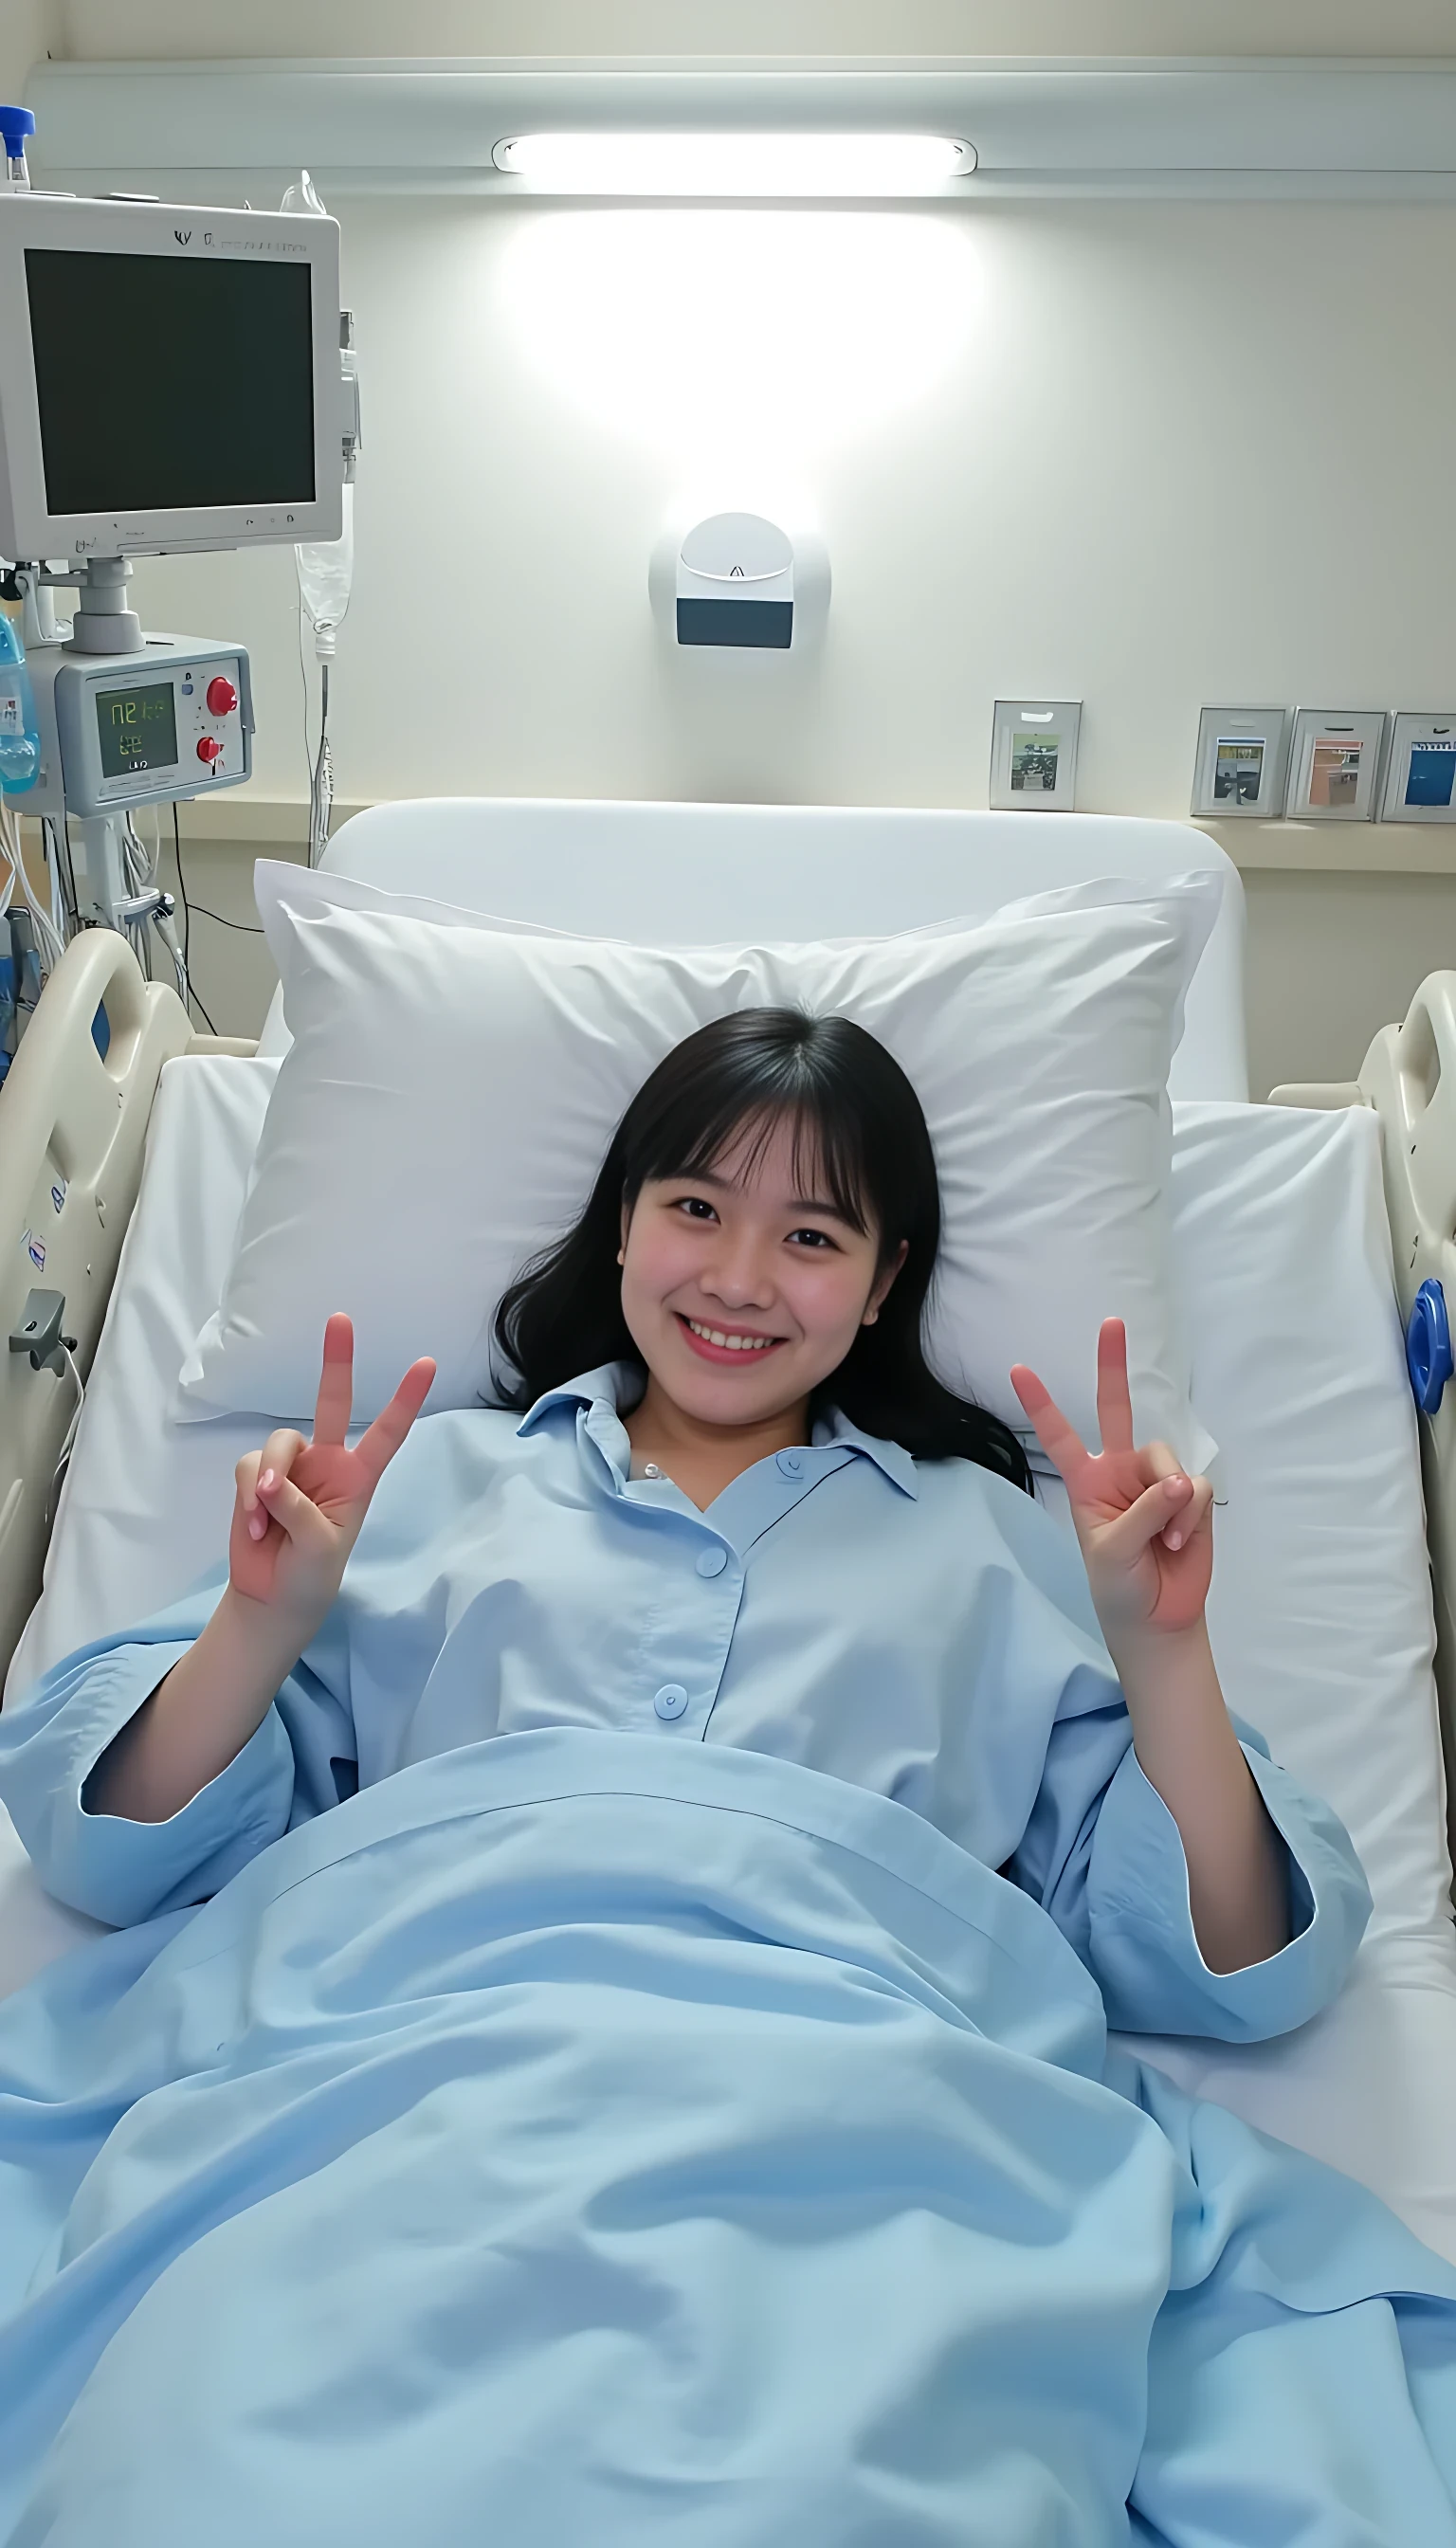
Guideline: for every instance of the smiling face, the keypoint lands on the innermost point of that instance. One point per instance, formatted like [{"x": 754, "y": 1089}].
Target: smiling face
[{"x": 744, "y": 1286}]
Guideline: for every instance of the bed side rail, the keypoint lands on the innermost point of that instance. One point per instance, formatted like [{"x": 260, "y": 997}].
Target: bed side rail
[
  {"x": 72, "y": 1128},
  {"x": 1409, "y": 1077}
]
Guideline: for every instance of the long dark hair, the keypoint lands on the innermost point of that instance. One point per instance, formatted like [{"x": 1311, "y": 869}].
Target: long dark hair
[{"x": 855, "y": 1111}]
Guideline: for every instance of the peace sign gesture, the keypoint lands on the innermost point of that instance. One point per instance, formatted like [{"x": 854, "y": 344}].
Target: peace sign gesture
[
  {"x": 1145, "y": 1526},
  {"x": 300, "y": 1506}
]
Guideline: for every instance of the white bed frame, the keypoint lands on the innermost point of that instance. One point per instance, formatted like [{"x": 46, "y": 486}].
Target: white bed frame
[
  {"x": 71, "y": 1124},
  {"x": 74, "y": 1125},
  {"x": 1409, "y": 1077}
]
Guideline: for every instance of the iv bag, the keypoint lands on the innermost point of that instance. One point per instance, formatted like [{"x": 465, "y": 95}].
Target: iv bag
[
  {"x": 302, "y": 196},
  {"x": 325, "y": 567},
  {"x": 20, "y": 739},
  {"x": 326, "y": 578}
]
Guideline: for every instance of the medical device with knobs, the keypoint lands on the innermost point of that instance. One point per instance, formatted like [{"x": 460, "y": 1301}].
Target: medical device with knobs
[
  {"x": 246, "y": 435},
  {"x": 168, "y": 718}
]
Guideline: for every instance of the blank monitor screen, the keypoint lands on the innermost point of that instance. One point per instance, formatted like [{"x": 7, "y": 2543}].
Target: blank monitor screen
[{"x": 170, "y": 383}]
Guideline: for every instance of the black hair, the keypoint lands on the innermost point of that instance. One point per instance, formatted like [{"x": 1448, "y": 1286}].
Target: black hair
[{"x": 857, "y": 1114}]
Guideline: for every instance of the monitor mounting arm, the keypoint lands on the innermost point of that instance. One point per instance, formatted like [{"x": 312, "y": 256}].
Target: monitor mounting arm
[{"x": 104, "y": 624}]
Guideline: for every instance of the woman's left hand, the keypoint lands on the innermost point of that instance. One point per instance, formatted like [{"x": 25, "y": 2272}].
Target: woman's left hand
[{"x": 1145, "y": 1526}]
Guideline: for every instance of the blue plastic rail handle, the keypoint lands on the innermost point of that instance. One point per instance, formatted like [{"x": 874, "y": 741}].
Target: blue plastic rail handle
[{"x": 1428, "y": 1357}]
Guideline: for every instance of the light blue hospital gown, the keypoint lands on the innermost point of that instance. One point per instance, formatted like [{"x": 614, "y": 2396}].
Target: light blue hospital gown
[{"x": 922, "y": 1629}]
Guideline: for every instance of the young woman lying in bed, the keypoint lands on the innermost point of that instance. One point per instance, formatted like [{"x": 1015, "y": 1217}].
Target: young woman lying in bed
[
  {"x": 624, "y": 2130},
  {"x": 732, "y": 1504}
]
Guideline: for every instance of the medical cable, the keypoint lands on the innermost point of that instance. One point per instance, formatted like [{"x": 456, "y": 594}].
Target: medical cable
[
  {"x": 140, "y": 872},
  {"x": 141, "y": 867},
  {"x": 140, "y": 876},
  {"x": 49, "y": 924},
  {"x": 244, "y": 928},
  {"x": 51, "y": 945},
  {"x": 320, "y": 763},
  {"x": 180, "y": 955},
  {"x": 59, "y": 914},
  {"x": 161, "y": 922},
  {"x": 30, "y": 935},
  {"x": 192, "y": 991},
  {"x": 62, "y": 839},
  {"x": 320, "y": 786},
  {"x": 68, "y": 1439},
  {"x": 63, "y": 883}
]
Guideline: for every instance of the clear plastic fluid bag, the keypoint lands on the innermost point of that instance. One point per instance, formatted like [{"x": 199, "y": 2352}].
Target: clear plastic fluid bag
[
  {"x": 326, "y": 568},
  {"x": 326, "y": 578},
  {"x": 20, "y": 736},
  {"x": 303, "y": 196}
]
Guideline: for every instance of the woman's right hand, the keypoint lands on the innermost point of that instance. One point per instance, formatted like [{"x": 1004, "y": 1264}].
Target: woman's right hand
[
  {"x": 300, "y": 1504},
  {"x": 290, "y": 1542}
]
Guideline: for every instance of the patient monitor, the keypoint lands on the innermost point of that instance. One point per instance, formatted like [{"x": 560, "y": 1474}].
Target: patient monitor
[{"x": 170, "y": 380}]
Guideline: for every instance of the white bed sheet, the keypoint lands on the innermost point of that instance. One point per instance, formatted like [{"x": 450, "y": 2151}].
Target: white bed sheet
[{"x": 1320, "y": 1610}]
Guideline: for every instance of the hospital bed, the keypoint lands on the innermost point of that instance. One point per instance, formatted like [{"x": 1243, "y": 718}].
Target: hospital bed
[{"x": 1301, "y": 1233}]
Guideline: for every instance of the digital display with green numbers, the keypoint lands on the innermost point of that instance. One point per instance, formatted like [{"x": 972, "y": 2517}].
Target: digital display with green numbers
[{"x": 137, "y": 728}]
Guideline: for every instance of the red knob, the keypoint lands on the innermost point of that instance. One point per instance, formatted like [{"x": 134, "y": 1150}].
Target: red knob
[
  {"x": 209, "y": 749},
  {"x": 222, "y": 698}
]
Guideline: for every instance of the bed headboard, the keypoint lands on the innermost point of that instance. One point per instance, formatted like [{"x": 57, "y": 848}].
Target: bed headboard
[{"x": 667, "y": 875}]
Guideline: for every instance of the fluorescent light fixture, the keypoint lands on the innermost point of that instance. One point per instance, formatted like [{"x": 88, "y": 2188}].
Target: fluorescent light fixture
[{"x": 735, "y": 163}]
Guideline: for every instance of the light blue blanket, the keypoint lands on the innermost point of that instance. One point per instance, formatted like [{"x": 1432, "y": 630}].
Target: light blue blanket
[{"x": 579, "y": 2139}]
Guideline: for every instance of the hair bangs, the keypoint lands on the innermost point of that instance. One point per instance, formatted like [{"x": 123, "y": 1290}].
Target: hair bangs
[{"x": 738, "y": 1112}]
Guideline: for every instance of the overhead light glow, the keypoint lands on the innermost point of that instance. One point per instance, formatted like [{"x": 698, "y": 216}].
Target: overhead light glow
[
  {"x": 745, "y": 343},
  {"x": 718, "y": 164}
]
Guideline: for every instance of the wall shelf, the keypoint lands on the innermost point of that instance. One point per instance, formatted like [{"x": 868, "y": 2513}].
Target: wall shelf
[{"x": 267, "y": 826}]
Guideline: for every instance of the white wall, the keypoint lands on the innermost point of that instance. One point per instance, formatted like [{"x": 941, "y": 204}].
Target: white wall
[
  {"x": 1151, "y": 455},
  {"x": 27, "y": 31},
  {"x": 1332, "y": 959},
  {"x": 1144, "y": 455},
  {"x": 106, "y": 29}
]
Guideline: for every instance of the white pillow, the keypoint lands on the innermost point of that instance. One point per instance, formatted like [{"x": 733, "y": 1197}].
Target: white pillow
[
  {"x": 1321, "y": 1577},
  {"x": 452, "y": 1087}
]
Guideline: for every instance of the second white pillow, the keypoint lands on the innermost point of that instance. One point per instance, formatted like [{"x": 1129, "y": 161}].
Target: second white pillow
[{"x": 452, "y": 1086}]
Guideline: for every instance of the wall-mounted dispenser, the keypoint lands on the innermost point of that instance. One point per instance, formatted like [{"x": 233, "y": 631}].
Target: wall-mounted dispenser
[
  {"x": 706, "y": 613},
  {"x": 735, "y": 583}
]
